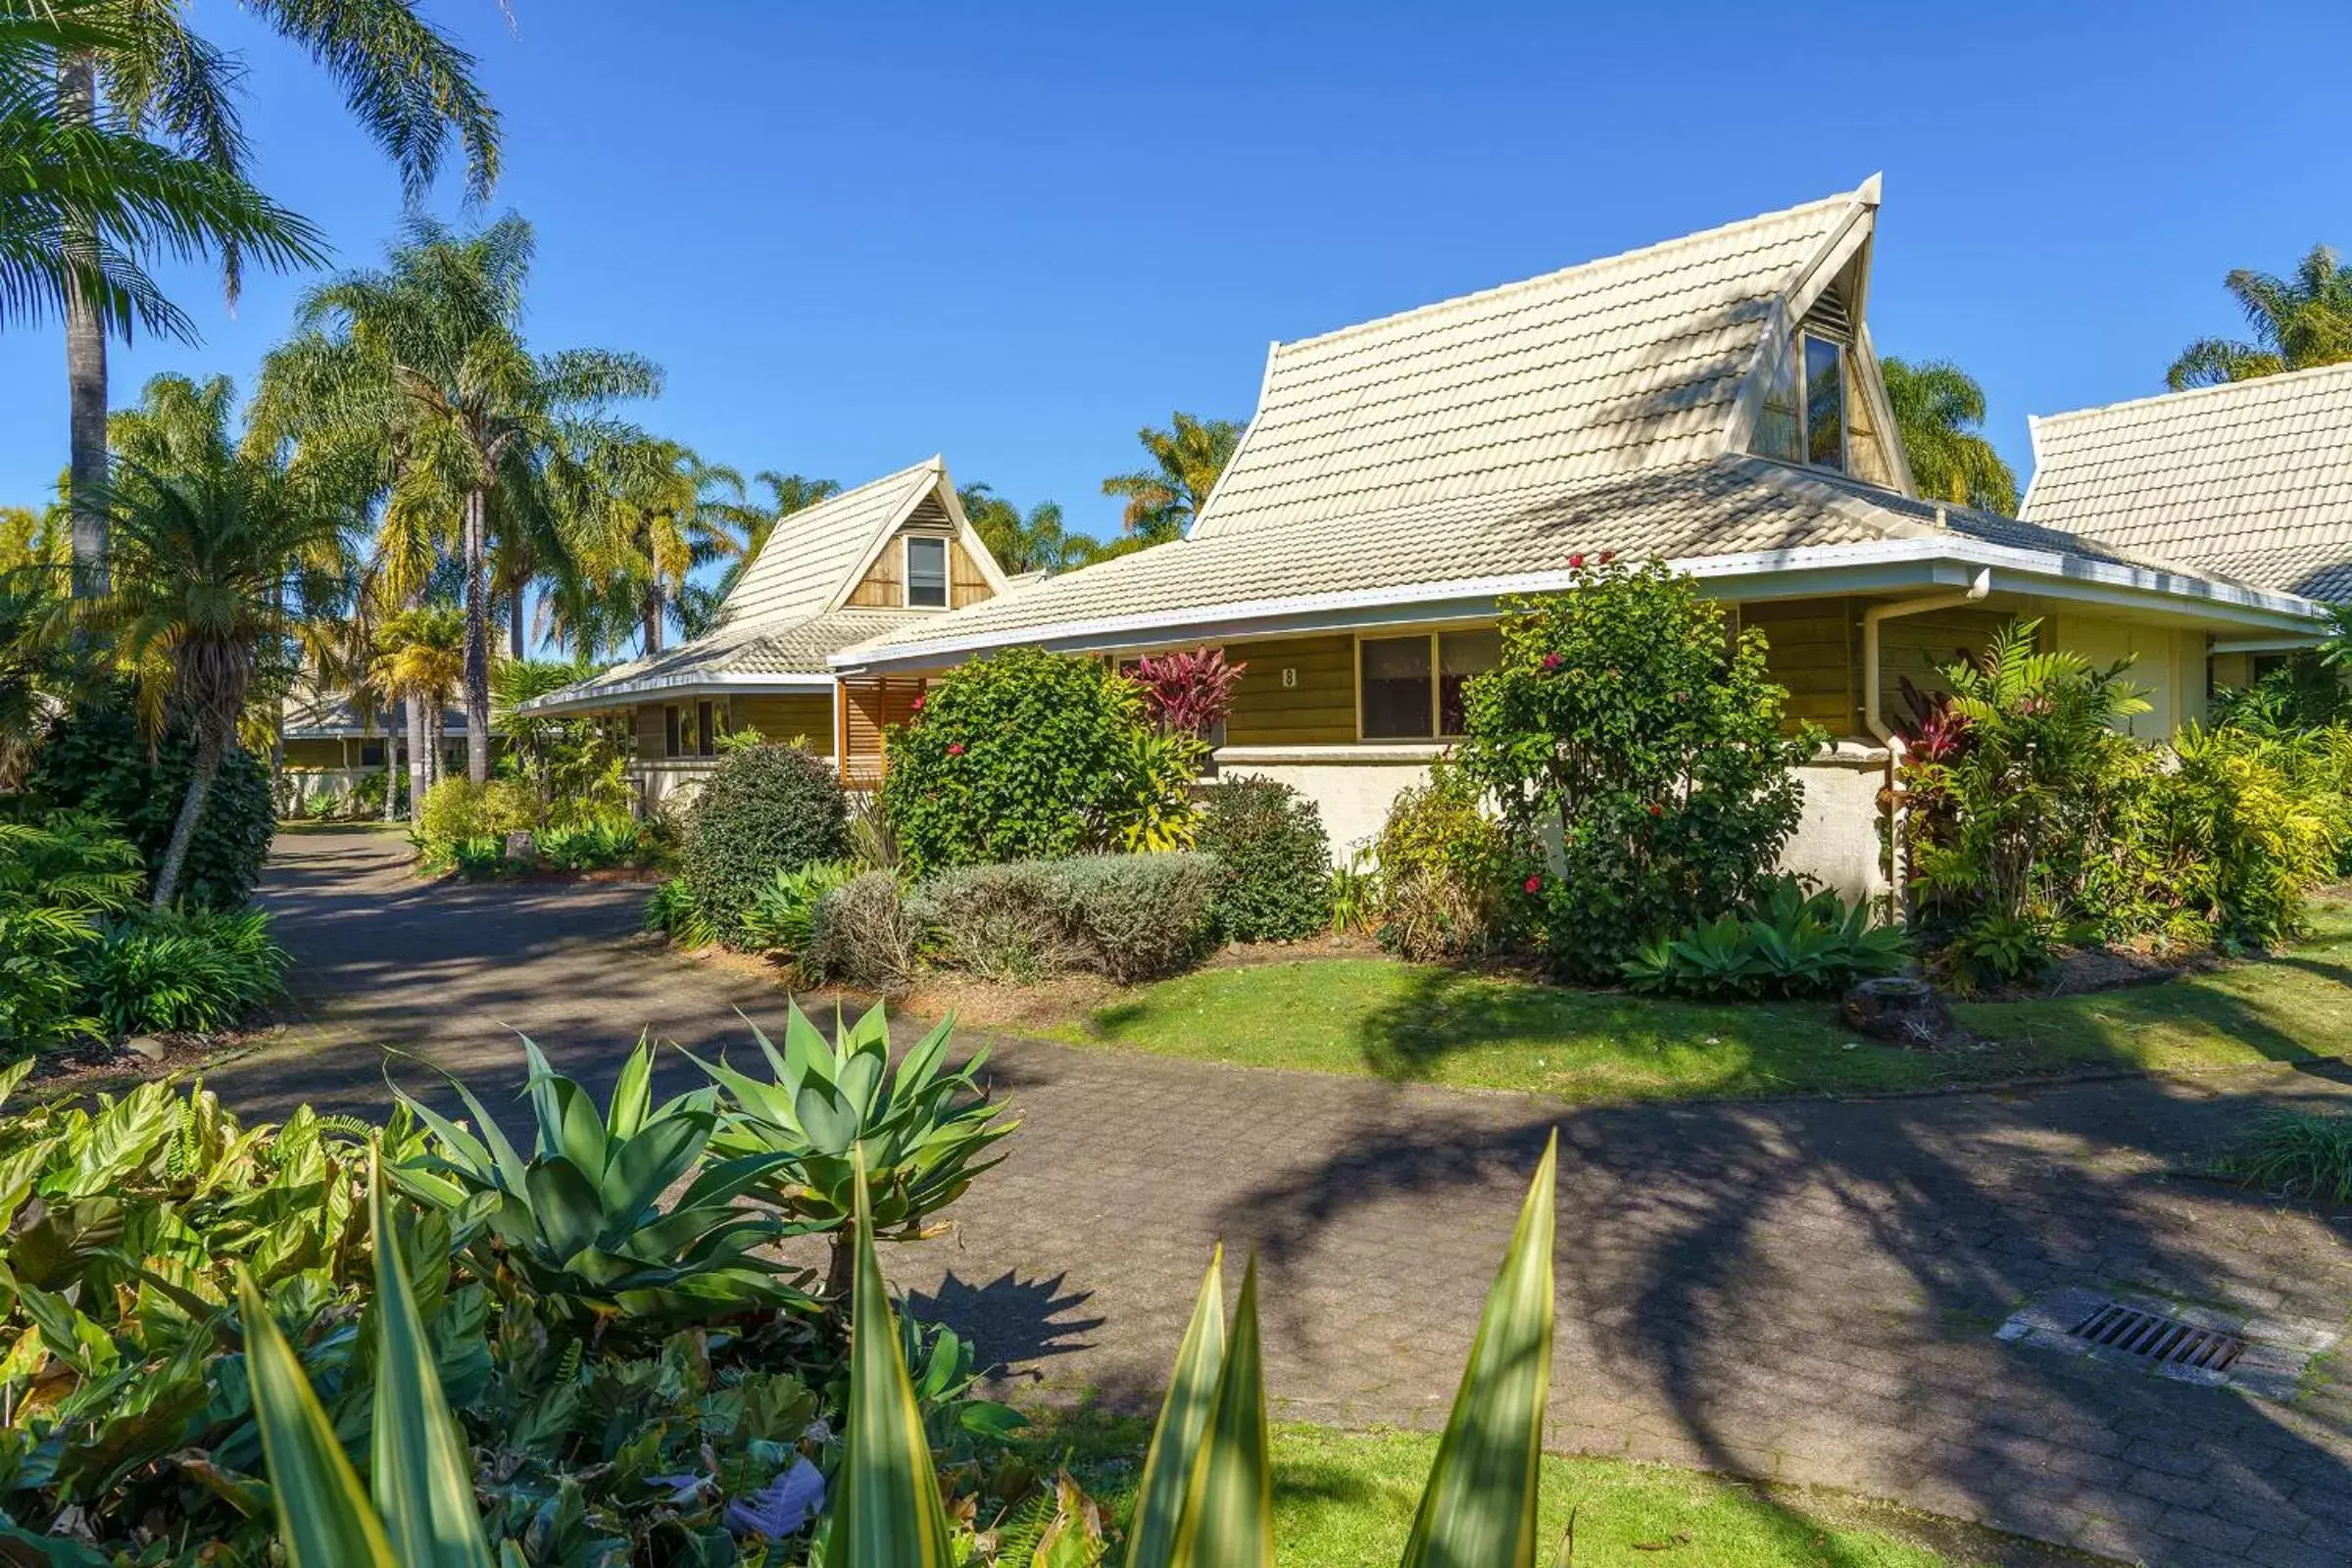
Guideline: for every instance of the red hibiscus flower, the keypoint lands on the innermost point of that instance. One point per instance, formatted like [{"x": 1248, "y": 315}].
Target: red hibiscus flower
[
  {"x": 1655, "y": 810},
  {"x": 1576, "y": 559},
  {"x": 1534, "y": 884},
  {"x": 955, "y": 748},
  {"x": 918, "y": 703},
  {"x": 1551, "y": 660}
]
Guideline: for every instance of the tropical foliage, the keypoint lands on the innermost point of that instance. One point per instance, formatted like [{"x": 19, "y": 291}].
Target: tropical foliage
[
  {"x": 764, "y": 810},
  {"x": 1186, "y": 459},
  {"x": 1939, "y": 415},
  {"x": 1035, "y": 541},
  {"x": 1626, "y": 717},
  {"x": 1274, "y": 858},
  {"x": 2298, "y": 322},
  {"x": 1789, "y": 942}
]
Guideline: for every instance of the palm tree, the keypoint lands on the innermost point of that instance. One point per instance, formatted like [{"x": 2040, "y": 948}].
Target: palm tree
[
  {"x": 419, "y": 661},
  {"x": 36, "y": 657},
  {"x": 212, "y": 563},
  {"x": 405, "y": 82},
  {"x": 1939, "y": 415},
  {"x": 1038, "y": 542},
  {"x": 664, "y": 526},
  {"x": 83, "y": 204},
  {"x": 2298, "y": 322},
  {"x": 1163, "y": 500},
  {"x": 425, "y": 363}
]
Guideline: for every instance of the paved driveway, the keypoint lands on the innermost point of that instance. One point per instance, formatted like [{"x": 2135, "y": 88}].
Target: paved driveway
[{"x": 1802, "y": 1291}]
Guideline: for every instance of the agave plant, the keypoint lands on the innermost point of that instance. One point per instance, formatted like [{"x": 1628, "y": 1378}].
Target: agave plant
[
  {"x": 922, "y": 1131},
  {"x": 1205, "y": 1498},
  {"x": 418, "y": 1511},
  {"x": 581, "y": 1222}
]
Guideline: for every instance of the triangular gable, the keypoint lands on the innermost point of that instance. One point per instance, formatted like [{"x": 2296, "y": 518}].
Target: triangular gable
[
  {"x": 938, "y": 499},
  {"x": 815, "y": 556}
]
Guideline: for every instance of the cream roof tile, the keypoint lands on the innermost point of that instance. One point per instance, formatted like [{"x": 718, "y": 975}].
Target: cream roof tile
[
  {"x": 801, "y": 567},
  {"x": 2251, "y": 480}
]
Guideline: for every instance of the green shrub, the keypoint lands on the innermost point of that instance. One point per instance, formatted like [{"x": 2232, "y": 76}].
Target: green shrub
[
  {"x": 477, "y": 859},
  {"x": 673, "y": 913},
  {"x": 2301, "y": 1153},
  {"x": 196, "y": 971},
  {"x": 1788, "y": 943},
  {"x": 1357, "y": 891},
  {"x": 458, "y": 808},
  {"x": 92, "y": 758},
  {"x": 1269, "y": 838},
  {"x": 782, "y": 920},
  {"x": 60, "y": 874},
  {"x": 1444, "y": 870},
  {"x": 764, "y": 810},
  {"x": 1626, "y": 718},
  {"x": 2245, "y": 824},
  {"x": 594, "y": 845},
  {"x": 1131, "y": 917},
  {"x": 863, "y": 936},
  {"x": 1030, "y": 755}
]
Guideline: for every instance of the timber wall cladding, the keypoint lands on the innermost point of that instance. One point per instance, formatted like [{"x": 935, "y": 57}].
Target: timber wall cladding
[
  {"x": 788, "y": 717},
  {"x": 1809, "y": 648},
  {"x": 884, "y": 587},
  {"x": 1317, "y": 707},
  {"x": 653, "y": 742}
]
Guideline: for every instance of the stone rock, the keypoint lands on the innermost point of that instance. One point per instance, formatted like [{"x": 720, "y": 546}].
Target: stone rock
[
  {"x": 521, "y": 848},
  {"x": 147, "y": 1047},
  {"x": 1900, "y": 1011}
]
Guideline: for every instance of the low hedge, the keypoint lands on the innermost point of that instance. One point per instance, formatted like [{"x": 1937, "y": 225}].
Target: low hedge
[{"x": 1131, "y": 918}]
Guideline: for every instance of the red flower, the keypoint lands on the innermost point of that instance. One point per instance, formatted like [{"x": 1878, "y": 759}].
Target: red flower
[
  {"x": 1576, "y": 559},
  {"x": 955, "y": 748},
  {"x": 1607, "y": 555},
  {"x": 1551, "y": 660},
  {"x": 1534, "y": 884},
  {"x": 1655, "y": 810},
  {"x": 918, "y": 702}
]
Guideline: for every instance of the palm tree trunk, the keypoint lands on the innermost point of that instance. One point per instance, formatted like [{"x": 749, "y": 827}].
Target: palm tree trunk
[
  {"x": 477, "y": 638},
  {"x": 392, "y": 775},
  {"x": 85, "y": 366},
  {"x": 514, "y": 622},
  {"x": 653, "y": 620},
  {"x": 208, "y": 749},
  {"x": 420, "y": 758}
]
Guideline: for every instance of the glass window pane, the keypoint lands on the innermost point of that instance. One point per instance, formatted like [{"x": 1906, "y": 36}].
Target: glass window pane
[
  {"x": 1460, "y": 655},
  {"x": 673, "y": 737},
  {"x": 1395, "y": 688},
  {"x": 1776, "y": 424},
  {"x": 706, "y": 740},
  {"x": 1825, "y": 403},
  {"x": 927, "y": 573}
]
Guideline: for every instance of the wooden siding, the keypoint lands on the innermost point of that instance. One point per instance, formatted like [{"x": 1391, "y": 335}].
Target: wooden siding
[
  {"x": 966, "y": 584},
  {"x": 1919, "y": 646},
  {"x": 786, "y": 717},
  {"x": 1810, "y": 649},
  {"x": 1318, "y": 708},
  {"x": 884, "y": 585},
  {"x": 321, "y": 754},
  {"x": 653, "y": 740}
]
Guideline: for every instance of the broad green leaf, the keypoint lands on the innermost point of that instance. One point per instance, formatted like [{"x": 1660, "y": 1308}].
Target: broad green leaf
[
  {"x": 1229, "y": 1506},
  {"x": 1183, "y": 1416},
  {"x": 324, "y": 1518},
  {"x": 564, "y": 1205},
  {"x": 568, "y": 1124},
  {"x": 422, "y": 1470},
  {"x": 886, "y": 1506},
  {"x": 1478, "y": 1508},
  {"x": 632, "y": 1091},
  {"x": 644, "y": 1165}
]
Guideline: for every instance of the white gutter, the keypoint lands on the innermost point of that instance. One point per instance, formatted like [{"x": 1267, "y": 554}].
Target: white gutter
[
  {"x": 1875, "y": 566},
  {"x": 1873, "y": 718},
  {"x": 627, "y": 693}
]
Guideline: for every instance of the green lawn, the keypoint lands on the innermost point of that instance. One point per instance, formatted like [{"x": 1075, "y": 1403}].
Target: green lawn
[
  {"x": 1345, "y": 1500},
  {"x": 1412, "y": 1022}
]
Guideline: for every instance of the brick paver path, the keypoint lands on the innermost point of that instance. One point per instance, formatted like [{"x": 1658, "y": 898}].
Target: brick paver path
[{"x": 1802, "y": 1291}]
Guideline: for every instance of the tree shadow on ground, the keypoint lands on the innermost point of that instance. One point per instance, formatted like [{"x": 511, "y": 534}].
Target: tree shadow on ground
[
  {"x": 1809, "y": 1289},
  {"x": 1014, "y": 1320}
]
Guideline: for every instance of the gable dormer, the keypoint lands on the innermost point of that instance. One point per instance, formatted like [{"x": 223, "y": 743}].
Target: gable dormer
[
  {"x": 1818, "y": 398},
  {"x": 929, "y": 560}
]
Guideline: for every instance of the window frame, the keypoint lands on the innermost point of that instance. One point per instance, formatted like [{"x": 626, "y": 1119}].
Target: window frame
[
  {"x": 946, "y": 570},
  {"x": 1430, "y": 636},
  {"x": 1804, "y": 400}
]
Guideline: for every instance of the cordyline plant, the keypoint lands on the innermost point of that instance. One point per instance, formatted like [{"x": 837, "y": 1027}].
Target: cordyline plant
[
  {"x": 836, "y": 1126},
  {"x": 1188, "y": 694}
]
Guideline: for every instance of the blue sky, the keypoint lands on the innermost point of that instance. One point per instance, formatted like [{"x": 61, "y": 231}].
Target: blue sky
[{"x": 856, "y": 235}]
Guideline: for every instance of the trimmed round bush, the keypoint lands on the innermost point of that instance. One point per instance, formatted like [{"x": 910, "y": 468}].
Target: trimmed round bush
[
  {"x": 1270, "y": 840},
  {"x": 1131, "y": 918},
  {"x": 764, "y": 810},
  {"x": 458, "y": 808},
  {"x": 92, "y": 758},
  {"x": 1021, "y": 756}
]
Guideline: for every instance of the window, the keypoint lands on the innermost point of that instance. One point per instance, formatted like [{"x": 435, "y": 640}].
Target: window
[
  {"x": 692, "y": 731},
  {"x": 1803, "y": 417},
  {"x": 1825, "y": 403},
  {"x": 371, "y": 754},
  {"x": 1412, "y": 686},
  {"x": 926, "y": 573},
  {"x": 673, "y": 732}
]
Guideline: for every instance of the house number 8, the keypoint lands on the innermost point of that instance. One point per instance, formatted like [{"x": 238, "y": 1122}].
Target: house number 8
[{"x": 1290, "y": 678}]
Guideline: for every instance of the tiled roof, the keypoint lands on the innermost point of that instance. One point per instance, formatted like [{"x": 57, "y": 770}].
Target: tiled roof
[
  {"x": 2252, "y": 480},
  {"x": 1725, "y": 507},
  {"x": 331, "y": 716},
  {"x": 723, "y": 657},
  {"x": 801, "y": 567},
  {"x": 1634, "y": 362}
]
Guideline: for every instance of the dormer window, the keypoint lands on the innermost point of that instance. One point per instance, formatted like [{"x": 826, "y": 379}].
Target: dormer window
[
  {"x": 1811, "y": 379},
  {"x": 926, "y": 573}
]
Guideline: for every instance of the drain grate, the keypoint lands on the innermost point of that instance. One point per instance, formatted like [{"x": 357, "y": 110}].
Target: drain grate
[{"x": 2164, "y": 1341}]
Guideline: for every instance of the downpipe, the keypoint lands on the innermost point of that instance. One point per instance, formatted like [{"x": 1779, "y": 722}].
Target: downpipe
[{"x": 1873, "y": 718}]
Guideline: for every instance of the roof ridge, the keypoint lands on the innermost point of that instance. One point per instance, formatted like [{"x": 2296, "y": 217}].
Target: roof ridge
[
  {"x": 1861, "y": 196},
  {"x": 2306, "y": 374}
]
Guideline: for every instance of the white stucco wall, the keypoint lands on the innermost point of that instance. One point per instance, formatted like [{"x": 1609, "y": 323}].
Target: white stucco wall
[
  {"x": 299, "y": 786},
  {"x": 1836, "y": 840},
  {"x": 2168, "y": 665}
]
